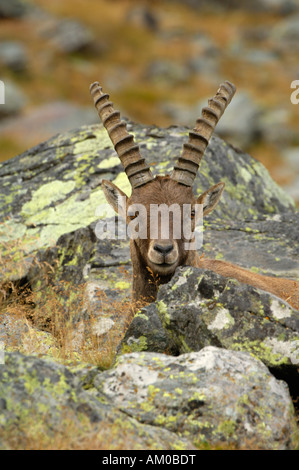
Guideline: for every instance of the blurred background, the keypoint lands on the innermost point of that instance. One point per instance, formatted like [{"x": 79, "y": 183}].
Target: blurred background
[{"x": 159, "y": 61}]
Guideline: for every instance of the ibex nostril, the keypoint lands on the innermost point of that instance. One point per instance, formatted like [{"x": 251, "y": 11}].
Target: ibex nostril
[{"x": 163, "y": 249}]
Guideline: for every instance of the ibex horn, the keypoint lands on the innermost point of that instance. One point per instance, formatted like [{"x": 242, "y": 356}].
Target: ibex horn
[
  {"x": 186, "y": 168},
  {"x": 129, "y": 154}
]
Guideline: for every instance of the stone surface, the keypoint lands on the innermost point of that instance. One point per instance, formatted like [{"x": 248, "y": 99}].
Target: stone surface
[
  {"x": 13, "y": 55},
  {"x": 40, "y": 399},
  {"x": 213, "y": 396},
  {"x": 12, "y": 8},
  {"x": 15, "y": 100},
  {"x": 200, "y": 308}
]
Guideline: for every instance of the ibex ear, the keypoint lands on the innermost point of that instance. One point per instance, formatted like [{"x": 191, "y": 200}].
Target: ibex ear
[
  {"x": 210, "y": 198},
  {"x": 115, "y": 197}
]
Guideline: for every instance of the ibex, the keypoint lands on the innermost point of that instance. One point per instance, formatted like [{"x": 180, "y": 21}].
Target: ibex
[{"x": 156, "y": 259}]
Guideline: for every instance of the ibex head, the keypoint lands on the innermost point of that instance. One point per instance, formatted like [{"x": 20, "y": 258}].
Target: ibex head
[{"x": 162, "y": 255}]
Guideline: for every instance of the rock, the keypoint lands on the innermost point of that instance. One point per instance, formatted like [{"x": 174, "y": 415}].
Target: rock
[
  {"x": 286, "y": 34},
  {"x": 18, "y": 334},
  {"x": 200, "y": 308},
  {"x": 13, "y": 55},
  {"x": 43, "y": 403},
  {"x": 214, "y": 397},
  {"x": 291, "y": 156},
  {"x": 15, "y": 100},
  {"x": 12, "y": 8},
  {"x": 240, "y": 125},
  {"x": 274, "y": 127},
  {"x": 207, "y": 68},
  {"x": 144, "y": 17},
  {"x": 167, "y": 71},
  {"x": 67, "y": 35}
]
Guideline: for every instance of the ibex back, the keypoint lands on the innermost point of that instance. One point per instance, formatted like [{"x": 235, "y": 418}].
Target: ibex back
[{"x": 155, "y": 259}]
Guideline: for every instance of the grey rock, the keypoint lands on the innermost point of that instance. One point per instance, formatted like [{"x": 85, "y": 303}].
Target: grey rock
[
  {"x": 200, "y": 308},
  {"x": 291, "y": 157},
  {"x": 286, "y": 34},
  {"x": 67, "y": 35},
  {"x": 13, "y": 55},
  {"x": 213, "y": 396},
  {"x": 40, "y": 399},
  {"x": 144, "y": 17},
  {"x": 12, "y": 8},
  {"x": 15, "y": 99},
  {"x": 168, "y": 71},
  {"x": 240, "y": 124},
  {"x": 274, "y": 127}
]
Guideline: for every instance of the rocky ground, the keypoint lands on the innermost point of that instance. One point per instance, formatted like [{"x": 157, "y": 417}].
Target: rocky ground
[
  {"x": 211, "y": 364},
  {"x": 160, "y": 61}
]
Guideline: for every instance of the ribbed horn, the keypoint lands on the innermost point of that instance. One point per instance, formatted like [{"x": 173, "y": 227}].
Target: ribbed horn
[
  {"x": 129, "y": 154},
  {"x": 186, "y": 168}
]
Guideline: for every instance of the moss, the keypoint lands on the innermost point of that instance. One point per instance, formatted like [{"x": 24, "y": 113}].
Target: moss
[
  {"x": 108, "y": 163},
  {"x": 246, "y": 175},
  {"x": 163, "y": 312},
  {"x": 122, "y": 285},
  {"x": 31, "y": 382},
  {"x": 137, "y": 345},
  {"x": 261, "y": 351},
  {"x": 226, "y": 428},
  {"x": 197, "y": 396},
  {"x": 92, "y": 146}
]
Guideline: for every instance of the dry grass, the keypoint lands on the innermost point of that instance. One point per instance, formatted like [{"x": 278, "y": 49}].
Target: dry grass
[
  {"x": 59, "y": 313},
  {"x": 71, "y": 434},
  {"x": 73, "y": 332}
]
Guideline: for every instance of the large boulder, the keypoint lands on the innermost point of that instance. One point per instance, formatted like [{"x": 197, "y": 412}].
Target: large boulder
[
  {"x": 200, "y": 308},
  {"x": 214, "y": 396},
  {"x": 45, "y": 405},
  {"x": 210, "y": 399},
  {"x": 51, "y": 203}
]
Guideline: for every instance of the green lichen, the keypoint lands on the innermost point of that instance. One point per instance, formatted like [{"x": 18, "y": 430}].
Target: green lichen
[
  {"x": 45, "y": 195},
  {"x": 109, "y": 163},
  {"x": 163, "y": 312},
  {"x": 261, "y": 351},
  {"x": 226, "y": 428},
  {"x": 122, "y": 285},
  {"x": 138, "y": 345}
]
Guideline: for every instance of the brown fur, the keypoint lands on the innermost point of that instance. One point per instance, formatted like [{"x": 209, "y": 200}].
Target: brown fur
[{"x": 148, "y": 274}]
